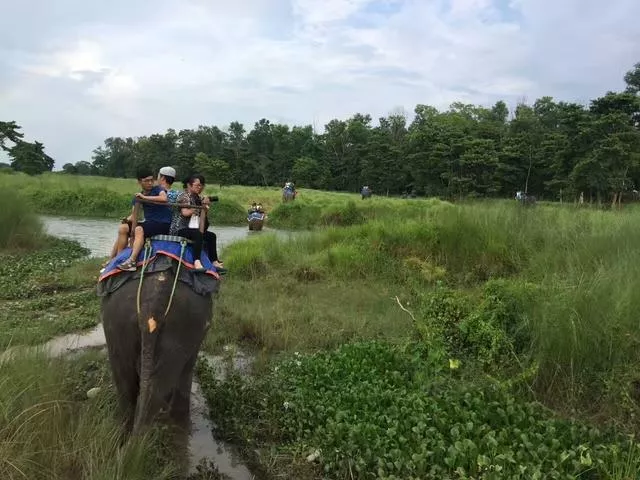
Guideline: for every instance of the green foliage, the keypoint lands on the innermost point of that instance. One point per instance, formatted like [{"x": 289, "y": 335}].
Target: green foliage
[
  {"x": 298, "y": 214},
  {"x": 214, "y": 170},
  {"x": 50, "y": 430},
  {"x": 489, "y": 331},
  {"x": 375, "y": 410},
  {"x": 21, "y": 273},
  {"x": 227, "y": 212},
  {"x": 99, "y": 197},
  {"x": 21, "y": 228},
  {"x": 551, "y": 291},
  {"x": 343, "y": 215},
  {"x": 46, "y": 292},
  {"x": 25, "y": 157}
]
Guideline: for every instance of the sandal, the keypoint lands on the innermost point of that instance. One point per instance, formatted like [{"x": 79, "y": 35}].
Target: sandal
[
  {"x": 199, "y": 269},
  {"x": 128, "y": 266}
]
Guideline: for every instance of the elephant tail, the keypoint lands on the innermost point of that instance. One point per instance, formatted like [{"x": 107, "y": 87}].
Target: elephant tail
[
  {"x": 148, "y": 405},
  {"x": 144, "y": 405}
]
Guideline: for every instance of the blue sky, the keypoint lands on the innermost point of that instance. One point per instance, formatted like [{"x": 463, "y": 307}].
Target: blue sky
[{"x": 73, "y": 73}]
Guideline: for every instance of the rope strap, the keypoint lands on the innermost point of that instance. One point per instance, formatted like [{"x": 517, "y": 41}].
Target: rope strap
[
  {"x": 183, "y": 246},
  {"x": 147, "y": 252}
]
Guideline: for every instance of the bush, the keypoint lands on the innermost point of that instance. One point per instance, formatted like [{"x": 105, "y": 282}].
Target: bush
[
  {"x": 21, "y": 228},
  {"x": 488, "y": 330},
  {"x": 342, "y": 215}
]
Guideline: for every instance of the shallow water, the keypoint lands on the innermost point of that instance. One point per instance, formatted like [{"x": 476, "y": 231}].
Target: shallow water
[
  {"x": 202, "y": 444},
  {"x": 98, "y": 235}
]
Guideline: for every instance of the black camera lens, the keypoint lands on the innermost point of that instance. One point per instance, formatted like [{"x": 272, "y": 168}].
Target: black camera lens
[{"x": 213, "y": 198}]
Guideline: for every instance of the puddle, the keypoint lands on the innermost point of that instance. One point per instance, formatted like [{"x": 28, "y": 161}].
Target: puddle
[
  {"x": 236, "y": 359},
  {"x": 76, "y": 341},
  {"x": 202, "y": 445}
]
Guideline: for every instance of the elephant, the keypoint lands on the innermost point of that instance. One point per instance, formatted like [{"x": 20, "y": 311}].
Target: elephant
[
  {"x": 365, "y": 192},
  {"x": 288, "y": 195},
  {"x": 256, "y": 220},
  {"x": 153, "y": 355}
]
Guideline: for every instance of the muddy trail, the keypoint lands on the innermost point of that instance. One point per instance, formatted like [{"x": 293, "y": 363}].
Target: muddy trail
[{"x": 203, "y": 447}]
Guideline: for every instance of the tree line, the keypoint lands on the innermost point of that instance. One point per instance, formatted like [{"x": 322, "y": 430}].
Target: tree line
[
  {"x": 551, "y": 149},
  {"x": 25, "y": 156}
]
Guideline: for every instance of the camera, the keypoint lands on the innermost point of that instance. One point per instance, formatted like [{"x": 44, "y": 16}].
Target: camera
[{"x": 213, "y": 198}]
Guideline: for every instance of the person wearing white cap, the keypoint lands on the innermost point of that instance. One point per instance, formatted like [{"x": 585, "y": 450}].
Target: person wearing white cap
[{"x": 157, "y": 218}]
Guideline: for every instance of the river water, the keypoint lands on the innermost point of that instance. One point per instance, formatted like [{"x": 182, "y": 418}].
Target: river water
[{"x": 98, "y": 236}]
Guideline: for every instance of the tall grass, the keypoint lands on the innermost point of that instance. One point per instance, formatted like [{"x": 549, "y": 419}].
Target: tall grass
[
  {"x": 49, "y": 430},
  {"x": 110, "y": 197},
  {"x": 21, "y": 228},
  {"x": 71, "y": 195},
  {"x": 582, "y": 321}
]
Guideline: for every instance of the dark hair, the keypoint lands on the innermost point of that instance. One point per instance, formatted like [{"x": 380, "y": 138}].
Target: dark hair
[
  {"x": 193, "y": 178},
  {"x": 144, "y": 172},
  {"x": 168, "y": 179}
]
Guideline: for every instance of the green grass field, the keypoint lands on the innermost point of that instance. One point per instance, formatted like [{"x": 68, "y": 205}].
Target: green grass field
[{"x": 479, "y": 340}]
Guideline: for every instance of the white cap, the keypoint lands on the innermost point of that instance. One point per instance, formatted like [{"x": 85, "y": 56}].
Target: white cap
[{"x": 167, "y": 172}]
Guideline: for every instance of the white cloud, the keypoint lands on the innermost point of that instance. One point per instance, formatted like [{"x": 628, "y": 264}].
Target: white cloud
[
  {"x": 141, "y": 67},
  {"x": 72, "y": 62}
]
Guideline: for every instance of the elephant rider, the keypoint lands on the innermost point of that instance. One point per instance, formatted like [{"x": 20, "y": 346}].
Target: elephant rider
[
  {"x": 253, "y": 208},
  {"x": 185, "y": 222},
  {"x": 157, "y": 218},
  {"x": 291, "y": 187}
]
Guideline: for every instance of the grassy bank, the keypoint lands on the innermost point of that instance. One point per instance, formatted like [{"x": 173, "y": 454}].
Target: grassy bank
[
  {"x": 47, "y": 287},
  {"x": 71, "y": 195},
  {"x": 537, "y": 301}
]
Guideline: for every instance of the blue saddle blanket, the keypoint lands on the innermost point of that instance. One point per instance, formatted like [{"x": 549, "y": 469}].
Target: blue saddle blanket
[
  {"x": 255, "y": 216},
  {"x": 159, "y": 247}
]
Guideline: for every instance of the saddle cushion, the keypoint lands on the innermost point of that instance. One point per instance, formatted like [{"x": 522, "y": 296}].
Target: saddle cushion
[{"x": 163, "y": 255}]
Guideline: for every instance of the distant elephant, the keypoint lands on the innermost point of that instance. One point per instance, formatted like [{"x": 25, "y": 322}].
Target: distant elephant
[
  {"x": 152, "y": 357},
  {"x": 365, "y": 192},
  {"x": 256, "y": 220},
  {"x": 288, "y": 195},
  {"x": 525, "y": 199}
]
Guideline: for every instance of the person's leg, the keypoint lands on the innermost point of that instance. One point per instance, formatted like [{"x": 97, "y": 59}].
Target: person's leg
[
  {"x": 121, "y": 240},
  {"x": 195, "y": 236},
  {"x": 123, "y": 237},
  {"x": 138, "y": 242},
  {"x": 210, "y": 243}
]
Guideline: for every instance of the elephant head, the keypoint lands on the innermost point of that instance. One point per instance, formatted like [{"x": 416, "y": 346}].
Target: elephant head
[{"x": 152, "y": 350}]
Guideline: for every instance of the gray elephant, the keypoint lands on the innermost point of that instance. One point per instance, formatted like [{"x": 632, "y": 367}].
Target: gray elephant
[{"x": 152, "y": 355}]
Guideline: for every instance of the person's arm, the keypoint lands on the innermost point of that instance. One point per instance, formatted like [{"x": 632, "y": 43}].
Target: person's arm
[
  {"x": 183, "y": 199},
  {"x": 161, "y": 197},
  {"x": 128, "y": 219}
]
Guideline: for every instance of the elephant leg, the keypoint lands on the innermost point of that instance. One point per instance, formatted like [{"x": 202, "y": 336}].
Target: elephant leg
[
  {"x": 124, "y": 352},
  {"x": 180, "y": 407}
]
